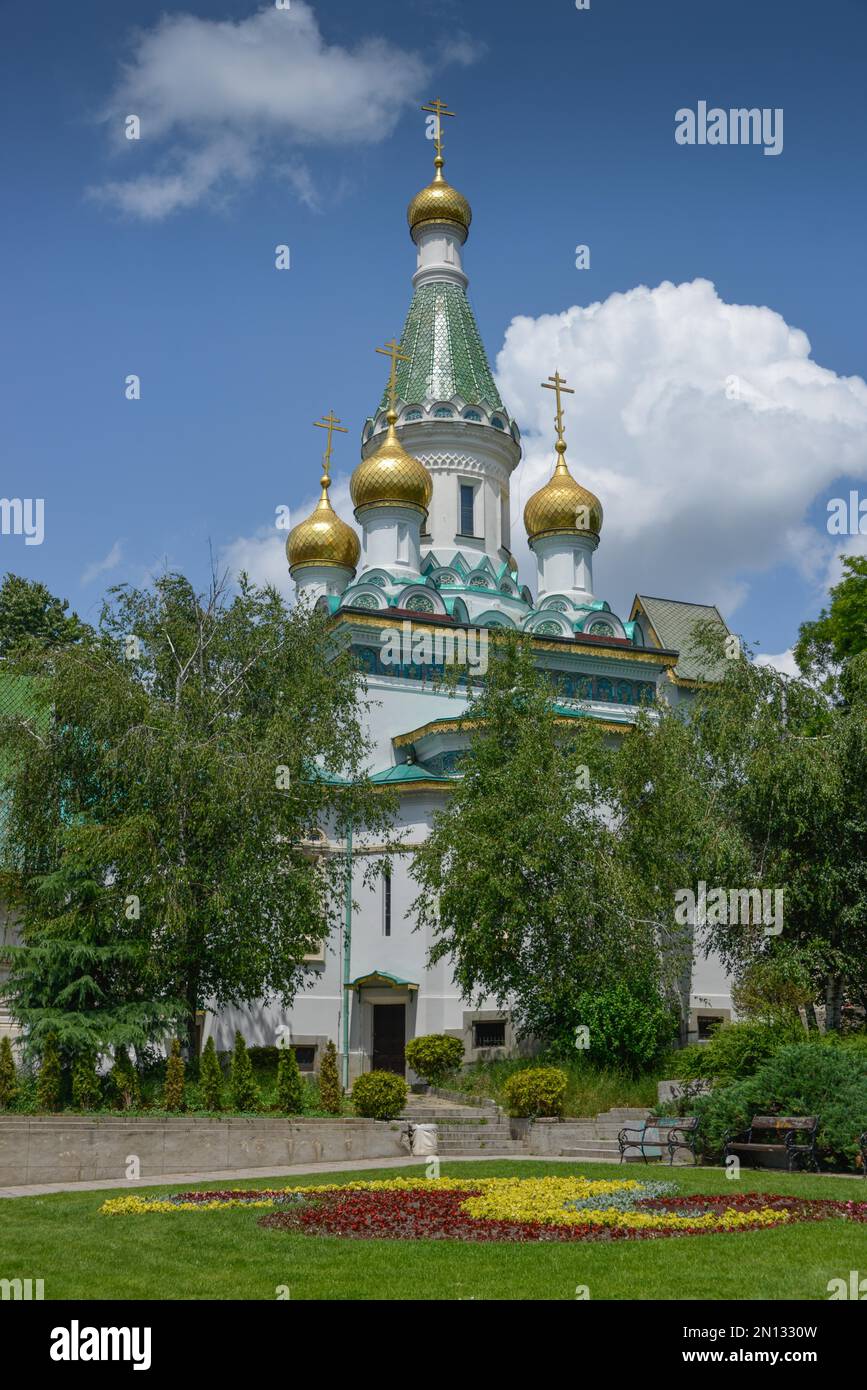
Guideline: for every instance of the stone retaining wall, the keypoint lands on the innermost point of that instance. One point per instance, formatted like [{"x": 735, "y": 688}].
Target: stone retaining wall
[{"x": 46, "y": 1149}]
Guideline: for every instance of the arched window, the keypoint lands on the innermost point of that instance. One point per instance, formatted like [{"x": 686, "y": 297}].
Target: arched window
[
  {"x": 412, "y": 415},
  {"x": 472, "y": 415},
  {"x": 497, "y": 422},
  {"x": 443, "y": 413}
]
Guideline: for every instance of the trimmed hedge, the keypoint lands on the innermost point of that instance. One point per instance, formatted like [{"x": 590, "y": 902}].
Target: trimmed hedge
[
  {"x": 536, "y": 1091},
  {"x": 434, "y": 1056},
  {"x": 379, "y": 1095}
]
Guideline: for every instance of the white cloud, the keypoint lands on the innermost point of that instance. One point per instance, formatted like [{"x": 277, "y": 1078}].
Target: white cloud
[
  {"x": 701, "y": 491},
  {"x": 110, "y": 562},
  {"x": 783, "y": 662},
  {"x": 220, "y": 101}
]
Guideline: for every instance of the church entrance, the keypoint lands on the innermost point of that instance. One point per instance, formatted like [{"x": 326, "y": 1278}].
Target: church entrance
[{"x": 389, "y": 1038}]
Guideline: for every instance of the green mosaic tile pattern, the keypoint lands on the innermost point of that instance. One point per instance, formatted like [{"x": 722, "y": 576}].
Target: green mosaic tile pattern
[{"x": 447, "y": 356}]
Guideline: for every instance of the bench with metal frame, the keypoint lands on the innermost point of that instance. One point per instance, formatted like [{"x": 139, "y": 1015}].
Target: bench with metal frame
[
  {"x": 795, "y": 1141},
  {"x": 658, "y": 1134},
  {"x": 862, "y": 1142}
]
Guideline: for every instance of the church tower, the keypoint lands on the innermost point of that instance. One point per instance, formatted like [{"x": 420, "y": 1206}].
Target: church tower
[{"x": 450, "y": 415}]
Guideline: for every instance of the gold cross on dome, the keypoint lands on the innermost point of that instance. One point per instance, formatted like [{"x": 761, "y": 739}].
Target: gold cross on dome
[
  {"x": 329, "y": 422},
  {"x": 557, "y": 384},
  {"x": 393, "y": 351},
  {"x": 439, "y": 109}
]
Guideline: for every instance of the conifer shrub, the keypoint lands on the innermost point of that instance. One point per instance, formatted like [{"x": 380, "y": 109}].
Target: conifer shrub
[
  {"x": 8, "y": 1076},
  {"x": 535, "y": 1091},
  {"x": 50, "y": 1082},
  {"x": 86, "y": 1085},
  {"x": 290, "y": 1086},
  {"x": 330, "y": 1089},
  {"x": 434, "y": 1055},
  {"x": 242, "y": 1085},
  {"x": 125, "y": 1081},
  {"x": 210, "y": 1078},
  {"x": 173, "y": 1091},
  {"x": 379, "y": 1095}
]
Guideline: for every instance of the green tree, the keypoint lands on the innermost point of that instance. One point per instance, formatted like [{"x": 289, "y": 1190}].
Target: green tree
[
  {"x": 790, "y": 764},
  {"x": 173, "y": 1090},
  {"x": 125, "y": 1081},
  {"x": 49, "y": 1083},
  {"x": 840, "y": 631},
  {"x": 8, "y": 1075},
  {"x": 330, "y": 1089},
  {"x": 242, "y": 1085},
  {"x": 210, "y": 1078},
  {"x": 29, "y": 610},
  {"x": 86, "y": 1087},
  {"x": 180, "y": 774},
  {"x": 530, "y": 906},
  {"x": 290, "y": 1086}
]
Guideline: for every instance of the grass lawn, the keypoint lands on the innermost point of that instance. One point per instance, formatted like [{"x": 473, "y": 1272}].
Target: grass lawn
[{"x": 79, "y": 1254}]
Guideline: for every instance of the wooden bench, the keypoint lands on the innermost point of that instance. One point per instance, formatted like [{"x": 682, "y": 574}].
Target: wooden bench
[
  {"x": 660, "y": 1133},
  {"x": 797, "y": 1151}
]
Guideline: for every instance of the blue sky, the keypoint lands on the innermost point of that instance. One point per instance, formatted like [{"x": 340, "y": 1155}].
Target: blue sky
[{"x": 565, "y": 135}]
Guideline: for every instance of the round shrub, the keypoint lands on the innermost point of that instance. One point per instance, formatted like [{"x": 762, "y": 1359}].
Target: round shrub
[
  {"x": 629, "y": 1026},
  {"x": 434, "y": 1055},
  {"x": 800, "y": 1079},
  {"x": 379, "y": 1095},
  {"x": 535, "y": 1091}
]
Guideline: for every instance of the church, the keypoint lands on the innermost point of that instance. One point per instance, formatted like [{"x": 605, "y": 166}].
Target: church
[{"x": 431, "y": 496}]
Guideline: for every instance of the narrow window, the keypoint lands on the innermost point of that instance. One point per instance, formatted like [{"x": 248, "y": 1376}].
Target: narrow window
[
  {"x": 467, "y": 499},
  {"x": 386, "y": 902}
]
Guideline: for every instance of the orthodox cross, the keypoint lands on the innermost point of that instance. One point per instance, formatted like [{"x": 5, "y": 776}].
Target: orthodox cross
[
  {"x": 329, "y": 422},
  {"x": 439, "y": 109},
  {"x": 557, "y": 384},
  {"x": 393, "y": 351}
]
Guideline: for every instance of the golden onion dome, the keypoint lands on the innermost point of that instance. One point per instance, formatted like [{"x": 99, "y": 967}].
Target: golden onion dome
[
  {"x": 391, "y": 477},
  {"x": 562, "y": 506},
  {"x": 439, "y": 202},
  {"x": 323, "y": 539}
]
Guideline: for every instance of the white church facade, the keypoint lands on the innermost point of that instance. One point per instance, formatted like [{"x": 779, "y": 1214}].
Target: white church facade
[{"x": 431, "y": 496}]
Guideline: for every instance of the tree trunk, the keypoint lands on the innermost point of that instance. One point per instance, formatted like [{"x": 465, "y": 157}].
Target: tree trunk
[{"x": 833, "y": 1004}]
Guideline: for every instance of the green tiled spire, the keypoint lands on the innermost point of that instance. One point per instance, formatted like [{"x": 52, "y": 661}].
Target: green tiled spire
[{"x": 447, "y": 357}]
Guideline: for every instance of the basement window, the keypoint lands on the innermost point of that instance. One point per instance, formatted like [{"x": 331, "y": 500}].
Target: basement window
[
  {"x": 489, "y": 1033},
  {"x": 305, "y": 1057}
]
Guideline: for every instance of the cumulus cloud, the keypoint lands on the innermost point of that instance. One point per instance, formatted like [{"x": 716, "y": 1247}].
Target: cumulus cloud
[
  {"x": 98, "y": 567},
  {"x": 220, "y": 100},
  {"x": 706, "y": 429}
]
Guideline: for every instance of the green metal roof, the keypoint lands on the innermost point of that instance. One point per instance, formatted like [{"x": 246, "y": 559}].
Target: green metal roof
[
  {"x": 446, "y": 355},
  {"x": 381, "y": 977},
  {"x": 408, "y": 772},
  {"x": 674, "y": 623}
]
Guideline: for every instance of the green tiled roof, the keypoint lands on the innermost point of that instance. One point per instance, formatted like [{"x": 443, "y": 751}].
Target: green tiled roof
[
  {"x": 674, "y": 623},
  {"x": 447, "y": 356}
]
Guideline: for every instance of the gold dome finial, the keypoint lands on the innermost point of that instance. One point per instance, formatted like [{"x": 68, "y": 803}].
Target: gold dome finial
[
  {"x": 562, "y": 506},
  {"x": 391, "y": 477},
  {"x": 439, "y": 202},
  {"x": 323, "y": 539}
]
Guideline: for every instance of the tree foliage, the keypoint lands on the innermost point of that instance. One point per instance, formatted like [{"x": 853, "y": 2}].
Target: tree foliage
[{"x": 164, "y": 804}]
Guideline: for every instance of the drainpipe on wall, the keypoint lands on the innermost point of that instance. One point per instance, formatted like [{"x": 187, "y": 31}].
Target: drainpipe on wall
[{"x": 347, "y": 951}]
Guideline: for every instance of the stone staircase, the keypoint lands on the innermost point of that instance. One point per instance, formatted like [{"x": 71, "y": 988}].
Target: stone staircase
[
  {"x": 595, "y": 1140},
  {"x": 483, "y": 1131}
]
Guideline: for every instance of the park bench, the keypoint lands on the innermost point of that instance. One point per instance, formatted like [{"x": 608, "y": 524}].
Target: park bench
[
  {"x": 794, "y": 1140},
  {"x": 863, "y": 1143},
  {"x": 660, "y": 1134}
]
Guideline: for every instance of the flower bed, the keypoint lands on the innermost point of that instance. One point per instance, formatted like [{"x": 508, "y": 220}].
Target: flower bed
[{"x": 510, "y": 1209}]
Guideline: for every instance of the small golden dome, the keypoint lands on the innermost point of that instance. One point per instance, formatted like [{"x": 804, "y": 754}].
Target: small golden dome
[
  {"x": 439, "y": 202},
  {"x": 391, "y": 477},
  {"x": 562, "y": 506},
  {"x": 323, "y": 539}
]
